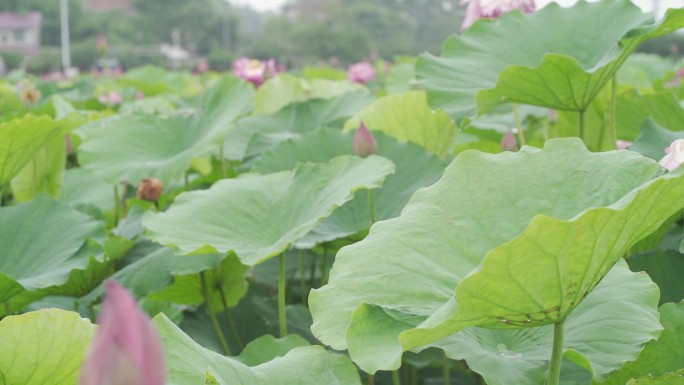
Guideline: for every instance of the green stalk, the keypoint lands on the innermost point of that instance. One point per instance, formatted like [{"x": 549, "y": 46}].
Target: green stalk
[
  {"x": 324, "y": 265},
  {"x": 34, "y": 167},
  {"x": 231, "y": 321},
  {"x": 518, "y": 125},
  {"x": 582, "y": 126},
  {"x": 556, "y": 355},
  {"x": 395, "y": 377},
  {"x": 446, "y": 371},
  {"x": 224, "y": 171},
  {"x": 312, "y": 273},
  {"x": 612, "y": 126},
  {"x": 185, "y": 179},
  {"x": 282, "y": 316},
  {"x": 371, "y": 205},
  {"x": 414, "y": 375},
  {"x": 116, "y": 205},
  {"x": 371, "y": 380},
  {"x": 91, "y": 313},
  {"x": 302, "y": 277},
  {"x": 214, "y": 320}
]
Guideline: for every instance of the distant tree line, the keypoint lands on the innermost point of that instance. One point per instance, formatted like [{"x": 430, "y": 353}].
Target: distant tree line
[{"x": 307, "y": 31}]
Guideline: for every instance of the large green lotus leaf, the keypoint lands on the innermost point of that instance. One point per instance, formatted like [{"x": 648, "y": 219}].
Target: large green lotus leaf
[
  {"x": 260, "y": 133},
  {"x": 415, "y": 168},
  {"x": 607, "y": 329},
  {"x": 152, "y": 80},
  {"x": 226, "y": 281},
  {"x": 654, "y": 139},
  {"x": 418, "y": 278},
  {"x": 39, "y": 242},
  {"x": 21, "y": 139},
  {"x": 78, "y": 283},
  {"x": 556, "y": 57},
  {"x": 599, "y": 135},
  {"x": 665, "y": 267},
  {"x": 190, "y": 364},
  {"x": 327, "y": 89},
  {"x": 230, "y": 215},
  {"x": 285, "y": 89},
  {"x": 641, "y": 69},
  {"x": 43, "y": 173},
  {"x": 267, "y": 347},
  {"x": 634, "y": 109},
  {"x": 141, "y": 146},
  {"x": 674, "y": 378},
  {"x": 408, "y": 117},
  {"x": 659, "y": 357},
  {"x": 154, "y": 268},
  {"x": 82, "y": 189},
  {"x": 277, "y": 93},
  {"x": 44, "y": 347}
]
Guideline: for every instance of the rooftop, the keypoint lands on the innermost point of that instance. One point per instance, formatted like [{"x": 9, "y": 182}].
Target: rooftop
[{"x": 13, "y": 20}]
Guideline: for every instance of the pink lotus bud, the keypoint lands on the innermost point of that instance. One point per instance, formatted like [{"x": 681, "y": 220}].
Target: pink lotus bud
[
  {"x": 623, "y": 144},
  {"x": 675, "y": 155},
  {"x": 364, "y": 142},
  {"x": 478, "y": 9},
  {"x": 361, "y": 72},
  {"x": 126, "y": 349},
  {"x": 69, "y": 145},
  {"x": 509, "y": 142}
]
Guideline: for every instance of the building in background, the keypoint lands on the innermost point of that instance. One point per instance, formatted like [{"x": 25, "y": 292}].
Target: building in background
[
  {"x": 20, "y": 32},
  {"x": 108, "y": 5}
]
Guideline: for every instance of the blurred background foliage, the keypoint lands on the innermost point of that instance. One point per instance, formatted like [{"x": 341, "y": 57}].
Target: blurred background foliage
[
  {"x": 304, "y": 31},
  {"x": 336, "y": 32}
]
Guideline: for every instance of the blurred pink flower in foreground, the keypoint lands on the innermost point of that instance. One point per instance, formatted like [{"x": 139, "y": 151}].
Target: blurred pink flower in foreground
[
  {"x": 623, "y": 144},
  {"x": 255, "y": 71},
  {"x": 362, "y": 72},
  {"x": 364, "y": 143},
  {"x": 126, "y": 349},
  {"x": 478, "y": 9},
  {"x": 675, "y": 155}
]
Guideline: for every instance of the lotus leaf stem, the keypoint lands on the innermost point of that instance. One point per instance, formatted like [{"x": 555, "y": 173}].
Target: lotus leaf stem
[
  {"x": 395, "y": 377},
  {"x": 371, "y": 205},
  {"x": 556, "y": 355},
  {"x": 214, "y": 320},
  {"x": 518, "y": 125},
  {"x": 282, "y": 316},
  {"x": 229, "y": 317}
]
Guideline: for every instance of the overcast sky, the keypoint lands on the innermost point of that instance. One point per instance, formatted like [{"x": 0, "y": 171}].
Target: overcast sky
[{"x": 647, "y": 5}]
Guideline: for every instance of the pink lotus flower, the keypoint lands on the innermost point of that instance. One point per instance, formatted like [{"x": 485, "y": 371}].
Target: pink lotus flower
[
  {"x": 255, "y": 71},
  {"x": 362, "y": 72},
  {"x": 364, "y": 143},
  {"x": 126, "y": 349},
  {"x": 111, "y": 97},
  {"x": 478, "y": 9},
  {"x": 675, "y": 155},
  {"x": 623, "y": 144}
]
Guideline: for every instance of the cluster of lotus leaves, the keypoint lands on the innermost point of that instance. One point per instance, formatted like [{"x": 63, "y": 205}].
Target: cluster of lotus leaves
[{"x": 512, "y": 241}]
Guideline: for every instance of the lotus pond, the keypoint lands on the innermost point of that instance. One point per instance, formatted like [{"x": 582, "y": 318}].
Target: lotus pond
[{"x": 508, "y": 212}]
